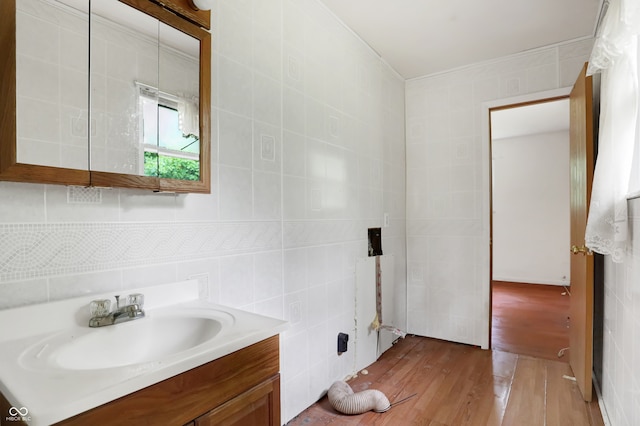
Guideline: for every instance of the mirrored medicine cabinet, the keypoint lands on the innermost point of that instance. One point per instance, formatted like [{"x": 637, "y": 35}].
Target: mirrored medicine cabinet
[{"x": 108, "y": 93}]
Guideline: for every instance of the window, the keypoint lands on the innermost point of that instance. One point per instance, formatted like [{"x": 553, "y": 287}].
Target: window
[{"x": 171, "y": 147}]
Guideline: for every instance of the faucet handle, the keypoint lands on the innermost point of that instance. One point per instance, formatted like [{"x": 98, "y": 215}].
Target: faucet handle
[
  {"x": 136, "y": 299},
  {"x": 100, "y": 307}
]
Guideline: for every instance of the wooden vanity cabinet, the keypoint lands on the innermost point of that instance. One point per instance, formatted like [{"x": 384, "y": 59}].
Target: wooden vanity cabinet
[{"x": 242, "y": 388}]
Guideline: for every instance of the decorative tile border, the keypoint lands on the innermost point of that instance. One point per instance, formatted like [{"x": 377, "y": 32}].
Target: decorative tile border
[
  {"x": 315, "y": 232},
  {"x": 29, "y": 251}
]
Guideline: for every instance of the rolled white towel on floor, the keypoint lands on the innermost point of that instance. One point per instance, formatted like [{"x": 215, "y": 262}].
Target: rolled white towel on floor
[{"x": 344, "y": 400}]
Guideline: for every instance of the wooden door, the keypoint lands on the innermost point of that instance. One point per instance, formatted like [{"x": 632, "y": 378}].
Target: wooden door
[{"x": 582, "y": 164}]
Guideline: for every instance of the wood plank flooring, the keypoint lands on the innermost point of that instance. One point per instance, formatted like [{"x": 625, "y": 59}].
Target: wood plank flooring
[
  {"x": 530, "y": 319},
  {"x": 455, "y": 384}
]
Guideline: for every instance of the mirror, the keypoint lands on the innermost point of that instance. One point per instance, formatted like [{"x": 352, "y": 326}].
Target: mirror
[
  {"x": 148, "y": 125},
  {"x": 43, "y": 77},
  {"x": 51, "y": 84},
  {"x": 178, "y": 138}
]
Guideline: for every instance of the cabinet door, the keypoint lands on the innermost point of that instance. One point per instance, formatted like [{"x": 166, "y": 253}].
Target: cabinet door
[{"x": 259, "y": 406}]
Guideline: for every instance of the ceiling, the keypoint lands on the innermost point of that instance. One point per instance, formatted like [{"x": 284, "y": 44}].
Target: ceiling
[
  {"x": 537, "y": 118},
  {"x": 423, "y": 37}
]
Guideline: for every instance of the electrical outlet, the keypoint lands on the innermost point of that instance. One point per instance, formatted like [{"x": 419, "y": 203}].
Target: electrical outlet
[{"x": 343, "y": 338}]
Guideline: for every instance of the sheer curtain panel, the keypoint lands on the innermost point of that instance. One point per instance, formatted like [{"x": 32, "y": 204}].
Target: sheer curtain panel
[{"x": 615, "y": 56}]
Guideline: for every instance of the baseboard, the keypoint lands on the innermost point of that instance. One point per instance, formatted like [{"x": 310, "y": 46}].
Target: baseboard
[{"x": 559, "y": 283}]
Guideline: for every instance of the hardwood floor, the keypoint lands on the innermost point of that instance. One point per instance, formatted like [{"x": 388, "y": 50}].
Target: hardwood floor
[
  {"x": 455, "y": 384},
  {"x": 530, "y": 319}
]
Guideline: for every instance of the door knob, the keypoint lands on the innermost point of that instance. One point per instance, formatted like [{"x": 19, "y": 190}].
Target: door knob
[{"x": 584, "y": 250}]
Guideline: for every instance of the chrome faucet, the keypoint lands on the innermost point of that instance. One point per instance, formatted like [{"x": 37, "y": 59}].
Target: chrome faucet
[{"x": 102, "y": 316}]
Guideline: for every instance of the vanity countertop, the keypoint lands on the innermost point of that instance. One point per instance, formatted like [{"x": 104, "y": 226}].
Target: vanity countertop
[{"x": 43, "y": 389}]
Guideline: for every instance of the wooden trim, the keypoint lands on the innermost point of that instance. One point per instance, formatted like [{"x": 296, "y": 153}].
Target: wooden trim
[
  {"x": 204, "y": 184},
  {"x": 10, "y": 169},
  {"x": 184, "y": 186},
  {"x": 205, "y": 111},
  {"x": 189, "y": 395},
  {"x": 527, "y": 103},
  {"x": 276, "y": 415},
  {"x": 44, "y": 174},
  {"x": 7, "y": 85},
  {"x": 490, "y": 161},
  {"x": 121, "y": 180},
  {"x": 188, "y": 10},
  {"x": 165, "y": 14}
]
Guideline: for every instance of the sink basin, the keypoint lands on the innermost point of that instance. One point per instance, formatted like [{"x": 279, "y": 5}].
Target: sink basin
[{"x": 141, "y": 341}]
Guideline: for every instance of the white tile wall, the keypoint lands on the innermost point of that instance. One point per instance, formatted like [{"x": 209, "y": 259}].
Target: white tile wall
[
  {"x": 308, "y": 152},
  {"x": 621, "y": 374},
  {"x": 52, "y": 69},
  {"x": 447, "y": 184}
]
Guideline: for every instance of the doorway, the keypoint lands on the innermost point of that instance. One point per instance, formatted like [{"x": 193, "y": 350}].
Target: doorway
[{"x": 530, "y": 227}]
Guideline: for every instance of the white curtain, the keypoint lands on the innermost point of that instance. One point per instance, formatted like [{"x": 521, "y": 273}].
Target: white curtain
[
  {"x": 615, "y": 57},
  {"x": 189, "y": 116}
]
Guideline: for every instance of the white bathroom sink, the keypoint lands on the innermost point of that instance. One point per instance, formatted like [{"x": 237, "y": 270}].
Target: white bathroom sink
[
  {"x": 56, "y": 366},
  {"x": 144, "y": 340}
]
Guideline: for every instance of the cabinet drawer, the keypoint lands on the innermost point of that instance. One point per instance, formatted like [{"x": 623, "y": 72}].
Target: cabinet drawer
[{"x": 259, "y": 406}]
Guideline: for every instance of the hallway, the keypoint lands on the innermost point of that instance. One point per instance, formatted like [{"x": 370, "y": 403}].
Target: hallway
[{"x": 530, "y": 319}]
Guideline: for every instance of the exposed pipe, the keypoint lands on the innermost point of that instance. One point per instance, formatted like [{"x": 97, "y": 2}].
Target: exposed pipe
[{"x": 344, "y": 400}]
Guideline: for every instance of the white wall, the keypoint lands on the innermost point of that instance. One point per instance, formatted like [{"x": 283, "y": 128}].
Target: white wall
[
  {"x": 448, "y": 184},
  {"x": 530, "y": 205},
  {"x": 308, "y": 152}
]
